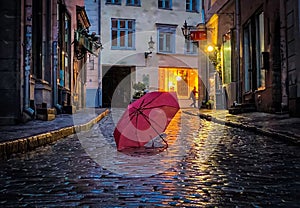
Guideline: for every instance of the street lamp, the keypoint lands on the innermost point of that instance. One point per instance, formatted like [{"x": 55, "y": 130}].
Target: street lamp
[
  {"x": 151, "y": 48},
  {"x": 210, "y": 48},
  {"x": 186, "y": 30}
]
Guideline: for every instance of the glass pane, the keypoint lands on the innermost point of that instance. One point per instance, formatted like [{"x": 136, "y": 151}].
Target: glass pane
[
  {"x": 260, "y": 49},
  {"x": 130, "y": 24},
  {"x": 167, "y": 4},
  {"x": 122, "y": 38},
  {"x": 67, "y": 72},
  {"x": 114, "y": 37},
  {"x": 227, "y": 62},
  {"x": 130, "y": 36},
  {"x": 114, "y": 23},
  {"x": 161, "y": 42},
  {"x": 160, "y": 3},
  {"x": 195, "y": 5},
  {"x": 195, "y": 47},
  {"x": 122, "y": 24},
  {"x": 168, "y": 42},
  {"x": 187, "y": 7},
  {"x": 247, "y": 59}
]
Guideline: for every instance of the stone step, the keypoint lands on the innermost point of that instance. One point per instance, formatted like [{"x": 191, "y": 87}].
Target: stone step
[
  {"x": 44, "y": 111},
  {"x": 69, "y": 109},
  {"x": 45, "y": 117},
  {"x": 242, "y": 108},
  {"x": 45, "y": 114}
]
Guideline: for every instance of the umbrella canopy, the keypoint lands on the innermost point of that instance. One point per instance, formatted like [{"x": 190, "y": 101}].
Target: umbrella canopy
[{"x": 145, "y": 119}]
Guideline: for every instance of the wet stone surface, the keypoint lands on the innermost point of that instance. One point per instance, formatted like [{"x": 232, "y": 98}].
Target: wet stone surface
[{"x": 206, "y": 165}]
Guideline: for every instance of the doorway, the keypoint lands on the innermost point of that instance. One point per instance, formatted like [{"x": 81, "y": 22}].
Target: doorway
[{"x": 116, "y": 86}]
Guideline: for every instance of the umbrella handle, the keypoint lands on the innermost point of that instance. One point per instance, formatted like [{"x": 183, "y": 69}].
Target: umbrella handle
[{"x": 164, "y": 140}]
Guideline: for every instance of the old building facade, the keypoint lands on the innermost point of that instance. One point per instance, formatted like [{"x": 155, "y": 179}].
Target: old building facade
[
  {"x": 40, "y": 59},
  {"x": 258, "y": 42},
  {"x": 127, "y": 27}
]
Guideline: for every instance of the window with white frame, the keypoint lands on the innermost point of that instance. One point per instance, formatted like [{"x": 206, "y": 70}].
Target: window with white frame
[
  {"x": 133, "y": 2},
  {"x": 118, "y": 2},
  {"x": 192, "y": 5},
  {"x": 123, "y": 34},
  {"x": 165, "y": 4},
  {"x": 191, "y": 47},
  {"x": 166, "y": 38}
]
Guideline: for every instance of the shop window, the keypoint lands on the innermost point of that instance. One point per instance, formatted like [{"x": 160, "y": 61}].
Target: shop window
[
  {"x": 227, "y": 69},
  {"x": 65, "y": 48}
]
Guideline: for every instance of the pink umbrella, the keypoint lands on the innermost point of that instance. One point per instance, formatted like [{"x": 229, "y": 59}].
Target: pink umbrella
[{"x": 145, "y": 119}]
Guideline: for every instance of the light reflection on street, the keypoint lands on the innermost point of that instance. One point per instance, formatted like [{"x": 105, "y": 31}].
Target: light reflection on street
[{"x": 223, "y": 167}]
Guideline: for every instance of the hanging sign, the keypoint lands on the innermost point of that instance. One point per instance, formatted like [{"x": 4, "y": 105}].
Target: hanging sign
[{"x": 198, "y": 35}]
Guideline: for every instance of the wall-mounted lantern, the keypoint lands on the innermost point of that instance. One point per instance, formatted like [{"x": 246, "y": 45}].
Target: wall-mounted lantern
[{"x": 151, "y": 48}]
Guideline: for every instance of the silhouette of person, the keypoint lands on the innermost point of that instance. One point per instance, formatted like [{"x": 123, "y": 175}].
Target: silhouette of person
[{"x": 193, "y": 97}]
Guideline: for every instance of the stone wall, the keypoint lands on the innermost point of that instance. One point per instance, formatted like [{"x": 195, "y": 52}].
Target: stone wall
[
  {"x": 10, "y": 60},
  {"x": 293, "y": 54}
]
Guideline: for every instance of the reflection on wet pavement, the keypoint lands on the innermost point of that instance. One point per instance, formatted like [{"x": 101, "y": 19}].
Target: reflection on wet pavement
[{"x": 207, "y": 165}]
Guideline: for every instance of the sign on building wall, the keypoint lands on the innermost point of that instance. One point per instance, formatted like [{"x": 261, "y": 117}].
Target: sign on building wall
[{"x": 198, "y": 35}]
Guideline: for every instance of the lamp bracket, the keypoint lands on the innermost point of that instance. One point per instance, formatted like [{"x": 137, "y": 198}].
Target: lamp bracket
[{"x": 147, "y": 54}]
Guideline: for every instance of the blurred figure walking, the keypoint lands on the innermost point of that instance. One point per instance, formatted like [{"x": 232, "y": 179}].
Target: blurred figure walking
[{"x": 193, "y": 97}]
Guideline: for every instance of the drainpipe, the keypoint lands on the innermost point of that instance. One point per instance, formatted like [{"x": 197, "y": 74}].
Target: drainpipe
[
  {"x": 238, "y": 23},
  {"x": 27, "y": 58},
  {"x": 55, "y": 65},
  {"x": 99, "y": 91},
  {"x": 55, "y": 60},
  {"x": 283, "y": 38}
]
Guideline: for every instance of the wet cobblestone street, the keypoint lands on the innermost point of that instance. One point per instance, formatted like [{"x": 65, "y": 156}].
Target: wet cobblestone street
[{"x": 206, "y": 165}]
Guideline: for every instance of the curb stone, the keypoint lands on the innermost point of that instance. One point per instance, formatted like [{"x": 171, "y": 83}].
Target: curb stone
[
  {"x": 252, "y": 128},
  {"x": 30, "y": 143}
]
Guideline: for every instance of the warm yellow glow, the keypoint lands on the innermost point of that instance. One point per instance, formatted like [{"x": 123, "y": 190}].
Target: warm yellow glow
[{"x": 210, "y": 48}]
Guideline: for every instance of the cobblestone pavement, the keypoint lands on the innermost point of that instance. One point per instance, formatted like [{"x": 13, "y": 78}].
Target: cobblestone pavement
[{"x": 207, "y": 165}]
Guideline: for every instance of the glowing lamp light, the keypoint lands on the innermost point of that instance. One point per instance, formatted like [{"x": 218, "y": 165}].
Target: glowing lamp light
[{"x": 210, "y": 48}]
